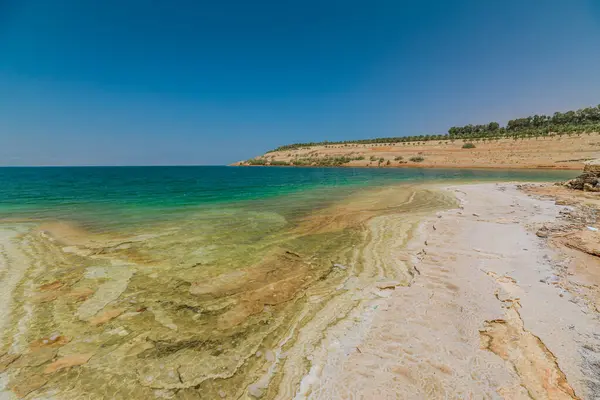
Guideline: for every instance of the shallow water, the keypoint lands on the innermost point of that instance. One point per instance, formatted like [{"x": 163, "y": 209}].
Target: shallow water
[{"x": 196, "y": 282}]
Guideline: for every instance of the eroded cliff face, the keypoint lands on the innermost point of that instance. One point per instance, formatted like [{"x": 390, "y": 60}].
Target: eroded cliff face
[{"x": 555, "y": 152}]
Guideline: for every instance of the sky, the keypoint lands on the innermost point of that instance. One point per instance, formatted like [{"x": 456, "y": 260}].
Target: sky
[{"x": 138, "y": 82}]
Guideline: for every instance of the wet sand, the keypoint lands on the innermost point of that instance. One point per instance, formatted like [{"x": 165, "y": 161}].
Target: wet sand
[{"x": 394, "y": 293}]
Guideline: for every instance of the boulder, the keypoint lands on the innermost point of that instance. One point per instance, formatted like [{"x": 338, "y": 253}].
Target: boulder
[
  {"x": 592, "y": 166},
  {"x": 543, "y": 232},
  {"x": 589, "y": 188},
  {"x": 589, "y": 181}
]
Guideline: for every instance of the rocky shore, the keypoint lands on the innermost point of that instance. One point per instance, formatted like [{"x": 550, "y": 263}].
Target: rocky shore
[
  {"x": 589, "y": 181},
  {"x": 494, "y": 311},
  {"x": 468, "y": 291}
]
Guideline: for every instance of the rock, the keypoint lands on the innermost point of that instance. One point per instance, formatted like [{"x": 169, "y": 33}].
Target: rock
[
  {"x": 564, "y": 202},
  {"x": 54, "y": 340},
  {"x": 6, "y": 360},
  {"x": 551, "y": 280},
  {"x": 592, "y": 166},
  {"x": 388, "y": 285},
  {"x": 106, "y": 316},
  {"x": 543, "y": 232},
  {"x": 586, "y": 241},
  {"x": 589, "y": 180},
  {"x": 189, "y": 394},
  {"x": 45, "y": 297},
  {"x": 120, "y": 331},
  {"x": 36, "y": 358},
  {"x": 25, "y": 385},
  {"x": 69, "y": 361},
  {"x": 255, "y": 390},
  {"x": 270, "y": 356},
  {"x": 80, "y": 294},
  {"x": 587, "y": 187},
  {"x": 51, "y": 286},
  {"x": 221, "y": 284},
  {"x": 164, "y": 394}
]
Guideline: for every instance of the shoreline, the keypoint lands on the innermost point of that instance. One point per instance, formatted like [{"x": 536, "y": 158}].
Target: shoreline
[
  {"x": 488, "y": 312},
  {"x": 447, "y": 292},
  {"x": 82, "y": 303}
]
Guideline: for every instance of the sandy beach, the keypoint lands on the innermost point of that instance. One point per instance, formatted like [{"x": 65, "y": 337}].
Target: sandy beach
[{"x": 491, "y": 296}]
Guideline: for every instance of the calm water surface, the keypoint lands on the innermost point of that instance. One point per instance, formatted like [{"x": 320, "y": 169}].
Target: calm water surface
[{"x": 118, "y": 196}]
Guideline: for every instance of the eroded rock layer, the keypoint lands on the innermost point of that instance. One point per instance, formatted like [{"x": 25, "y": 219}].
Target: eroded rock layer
[{"x": 186, "y": 310}]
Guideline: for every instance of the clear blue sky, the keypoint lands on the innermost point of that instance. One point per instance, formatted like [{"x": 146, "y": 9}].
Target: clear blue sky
[{"x": 211, "y": 82}]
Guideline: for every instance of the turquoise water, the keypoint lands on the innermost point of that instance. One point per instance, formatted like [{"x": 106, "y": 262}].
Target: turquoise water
[{"x": 128, "y": 195}]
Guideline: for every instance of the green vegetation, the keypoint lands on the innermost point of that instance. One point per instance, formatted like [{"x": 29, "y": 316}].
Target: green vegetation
[
  {"x": 417, "y": 159},
  {"x": 468, "y": 145},
  {"x": 585, "y": 120},
  {"x": 324, "y": 161},
  {"x": 398, "y": 158},
  {"x": 279, "y": 163},
  {"x": 257, "y": 161}
]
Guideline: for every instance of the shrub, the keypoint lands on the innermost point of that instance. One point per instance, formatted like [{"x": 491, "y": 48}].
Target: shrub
[
  {"x": 256, "y": 161},
  {"x": 468, "y": 145},
  {"x": 417, "y": 159},
  {"x": 398, "y": 158},
  {"x": 373, "y": 158},
  {"x": 274, "y": 162}
]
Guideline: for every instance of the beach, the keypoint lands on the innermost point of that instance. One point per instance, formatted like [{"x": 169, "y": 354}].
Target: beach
[
  {"x": 411, "y": 290},
  {"x": 494, "y": 311},
  {"x": 299, "y": 201}
]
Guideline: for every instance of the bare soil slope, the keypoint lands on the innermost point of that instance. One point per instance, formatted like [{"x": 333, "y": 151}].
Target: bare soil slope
[{"x": 556, "y": 152}]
